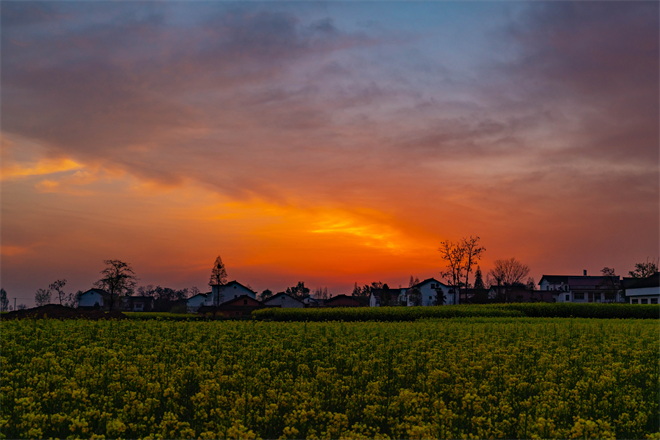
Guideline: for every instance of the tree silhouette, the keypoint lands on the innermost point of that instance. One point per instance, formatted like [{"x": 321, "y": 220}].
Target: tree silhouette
[
  {"x": 118, "y": 280},
  {"x": 42, "y": 297},
  {"x": 478, "y": 279},
  {"x": 58, "y": 287},
  {"x": 218, "y": 273},
  {"x": 265, "y": 294},
  {"x": 508, "y": 273},
  {"x": 4, "y": 302},
  {"x": 299, "y": 291},
  {"x": 459, "y": 259},
  {"x": 643, "y": 270}
]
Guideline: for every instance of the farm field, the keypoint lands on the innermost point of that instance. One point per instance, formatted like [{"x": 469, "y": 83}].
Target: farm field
[{"x": 450, "y": 378}]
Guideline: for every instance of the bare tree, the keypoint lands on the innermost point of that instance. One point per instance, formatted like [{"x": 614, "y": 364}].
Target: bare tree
[
  {"x": 460, "y": 257},
  {"x": 508, "y": 273},
  {"x": 118, "y": 280},
  {"x": 610, "y": 284},
  {"x": 58, "y": 287},
  {"x": 473, "y": 254},
  {"x": 42, "y": 297},
  {"x": 454, "y": 256},
  {"x": 321, "y": 293}
]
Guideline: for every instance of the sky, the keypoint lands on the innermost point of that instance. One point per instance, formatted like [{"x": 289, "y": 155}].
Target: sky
[{"x": 329, "y": 143}]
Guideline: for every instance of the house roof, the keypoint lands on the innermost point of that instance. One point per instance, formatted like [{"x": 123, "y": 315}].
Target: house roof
[
  {"x": 281, "y": 294},
  {"x": 199, "y": 294},
  {"x": 577, "y": 280},
  {"x": 99, "y": 291},
  {"x": 426, "y": 281},
  {"x": 232, "y": 283},
  {"x": 641, "y": 283},
  {"x": 343, "y": 296},
  {"x": 238, "y": 298}
]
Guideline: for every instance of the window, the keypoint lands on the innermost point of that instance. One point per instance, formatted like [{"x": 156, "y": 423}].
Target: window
[
  {"x": 245, "y": 302},
  {"x": 432, "y": 286},
  {"x": 634, "y": 301},
  {"x": 645, "y": 301},
  {"x": 654, "y": 300},
  {"x": 430, "y": 297},
  {"x": 578, "y": 296},
  {"x": 568, "y": 297}
]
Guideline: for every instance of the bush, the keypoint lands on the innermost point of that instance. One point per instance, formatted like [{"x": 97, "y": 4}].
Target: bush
[
  {"x": 533, "y": 310},
  {"x": 382, "y": 313}
]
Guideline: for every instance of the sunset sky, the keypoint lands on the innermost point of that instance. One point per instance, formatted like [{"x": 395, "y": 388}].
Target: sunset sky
[{"x": 329, "y": 143}]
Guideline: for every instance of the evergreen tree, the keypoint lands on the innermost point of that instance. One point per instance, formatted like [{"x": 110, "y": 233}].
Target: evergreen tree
[
  {"x": 218, "y": 273},
  {"x": 478, "y": 279}
]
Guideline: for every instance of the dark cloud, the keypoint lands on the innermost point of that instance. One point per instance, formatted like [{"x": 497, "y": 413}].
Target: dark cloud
[{"x": 598, "y": 62}]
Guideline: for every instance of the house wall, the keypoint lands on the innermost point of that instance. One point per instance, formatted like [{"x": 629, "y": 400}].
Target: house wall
[
  {"x": 227, "y": 293},
  {"x": 429, "y": 294},
  {"x": 644, "y": 291},
  {"x": 195, "y": 302},
  {"x": 644, "y": 295},
  {"x": 90, "y": 299},
  {"x": 284, "y": 301}
]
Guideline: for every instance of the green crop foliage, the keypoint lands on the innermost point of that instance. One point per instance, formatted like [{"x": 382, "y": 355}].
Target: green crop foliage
[
  {"x": 451, "y": 378},
  {"x": 546, "y": 310}
]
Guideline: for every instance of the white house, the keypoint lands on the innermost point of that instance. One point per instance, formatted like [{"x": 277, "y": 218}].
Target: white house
[
  {"x": 91, "y": 298},
  {"x": 283, "y": 300},
  {"x": 582, "y": 289},
  {"x": 225, "y": 292},
  {"x": 428, "y": 290},
  {"x": 195, "y": 302},
  {"x": 643, "y": 290}
]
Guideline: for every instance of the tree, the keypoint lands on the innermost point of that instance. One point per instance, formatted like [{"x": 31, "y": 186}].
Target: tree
[
  {"x": 415, "y": 296},
  {"x": 609, "y": 284},
  {"x": 478, "y": 279},
  {"x": 118, "y": 280},
  {"x": 413, "y": 281},
  {"x": 459, "y": 259},
  {"x": 473, "y": 252},
  {"x": 644, "y": 270},
  {"x": 58, "y": 287},
  {"x": 299, "y": 291},
  {"x": 321, "y": 293},
  {"x": 21, "y": 307},
  {"x": 508, "y": 273},
  {"x": 218, "y": 273},
  {"x": 4, "y": 302},
  {"x": 265, "y": 295},
  {"x": 42, "y": 297},
  {"x": 531, "y": 284},
  {"x": 194, "y": 291}
]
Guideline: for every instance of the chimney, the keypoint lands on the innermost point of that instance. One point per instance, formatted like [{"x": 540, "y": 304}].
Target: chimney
[{"x": 585, "y": 272}]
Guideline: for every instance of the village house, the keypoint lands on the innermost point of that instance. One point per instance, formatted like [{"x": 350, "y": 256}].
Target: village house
[
  {"x": 582, "y": 289},
  {"x": 343, "y": 301},
  {"x": 137, "y": 303},
  {"x": 195, "y": 302},
  {"x": 242, "y": 305},
  {"x": 93, "y": 298},
  {"x": 424, "y": 293},
  {"x": 284, "y": 300},
  {"x": 642, "y": 290},
  {"x": 223, "y": 292}
]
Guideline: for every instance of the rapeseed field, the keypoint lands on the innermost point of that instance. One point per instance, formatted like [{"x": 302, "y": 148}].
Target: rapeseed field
[{"x": 451, "y": 378}]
